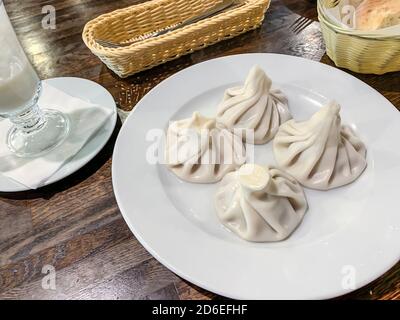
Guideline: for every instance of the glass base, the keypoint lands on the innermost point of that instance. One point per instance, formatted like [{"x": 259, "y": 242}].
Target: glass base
[{"x": 51, "y": 133}]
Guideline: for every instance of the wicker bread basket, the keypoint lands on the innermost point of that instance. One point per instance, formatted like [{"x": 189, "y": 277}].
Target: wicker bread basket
[
  {"x": 122, "y": 25},
  {"x": 359, "y": 53}
]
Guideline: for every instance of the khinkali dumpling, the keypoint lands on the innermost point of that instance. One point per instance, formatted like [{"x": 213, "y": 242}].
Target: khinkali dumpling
[
  {"x": 260, "y": 203},
  {"x": 320, "y": 153},
  {"x": 254, "y": 106},
  {"x": 197, "y": 151}
]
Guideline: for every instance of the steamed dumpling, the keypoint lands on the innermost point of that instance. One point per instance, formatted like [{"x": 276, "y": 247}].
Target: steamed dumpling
[
  {"x": 196, "y": 151},
  {"x": 320, "y": 153},
  {"x": 260, "y": 203},
  {"x": 254, "y": 106}
]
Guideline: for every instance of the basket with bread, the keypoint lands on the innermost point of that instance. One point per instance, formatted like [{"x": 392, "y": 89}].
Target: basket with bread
[{"x": 362, "y": 35}]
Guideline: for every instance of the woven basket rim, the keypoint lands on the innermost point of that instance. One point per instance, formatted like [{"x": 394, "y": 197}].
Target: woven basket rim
[
  {"x": 328, "y": 25},
  {"x": 88, "y": 31}
]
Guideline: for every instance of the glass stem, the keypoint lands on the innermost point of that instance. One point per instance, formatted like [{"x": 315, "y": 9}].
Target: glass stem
[{"x": 30, "y": 120}]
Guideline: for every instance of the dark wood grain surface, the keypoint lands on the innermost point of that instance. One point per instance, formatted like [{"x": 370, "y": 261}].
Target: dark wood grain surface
[{"x": 75, "y": 225}]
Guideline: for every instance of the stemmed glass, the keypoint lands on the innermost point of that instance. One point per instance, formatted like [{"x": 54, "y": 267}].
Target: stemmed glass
[{"x": 34, "y": 131}]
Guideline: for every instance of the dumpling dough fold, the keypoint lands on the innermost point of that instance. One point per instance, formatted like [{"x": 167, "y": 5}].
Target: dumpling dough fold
[
  {"x": 254, "y": 106},
  {"x": 197, "y": 151},
  {"x": 320, "y": 153},
  {"x": 260, "y": 203}
]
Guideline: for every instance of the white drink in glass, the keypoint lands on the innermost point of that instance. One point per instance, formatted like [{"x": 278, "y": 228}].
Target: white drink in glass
[
  {"x": 18, "y": 80},
  {"x": 34, "y": 131},
  {"x": 18, "y": 89}
]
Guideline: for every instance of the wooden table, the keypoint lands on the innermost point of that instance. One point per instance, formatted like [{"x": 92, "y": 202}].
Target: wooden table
[{"x": 75, "y": 225}]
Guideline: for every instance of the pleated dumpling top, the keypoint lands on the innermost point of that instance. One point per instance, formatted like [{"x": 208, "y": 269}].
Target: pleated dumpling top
[
  {"x": 197, "y": 151},
  {"x": 254, "y": 106},
  {"x": 320, "y": 153},
  {"x": 260, "y": 204}
]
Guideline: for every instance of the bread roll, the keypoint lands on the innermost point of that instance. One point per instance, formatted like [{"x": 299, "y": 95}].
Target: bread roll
[{"x": 377, "y": 14}]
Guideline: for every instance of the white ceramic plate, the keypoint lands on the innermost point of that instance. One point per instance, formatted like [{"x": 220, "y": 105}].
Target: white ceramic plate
[
  {"x": 350, "y": 235},
  {"x": 88, "y": 91}
]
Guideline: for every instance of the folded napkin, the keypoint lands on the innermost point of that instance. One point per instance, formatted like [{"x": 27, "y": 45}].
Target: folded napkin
[{"x": 85, "y": 120}]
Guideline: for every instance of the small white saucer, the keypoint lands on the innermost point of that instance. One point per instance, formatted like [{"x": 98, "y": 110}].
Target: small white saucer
[{"x": 89, "y": 91}]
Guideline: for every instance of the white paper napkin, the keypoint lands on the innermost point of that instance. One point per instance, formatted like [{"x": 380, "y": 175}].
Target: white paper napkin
[{"x": 85, "y": 121}]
